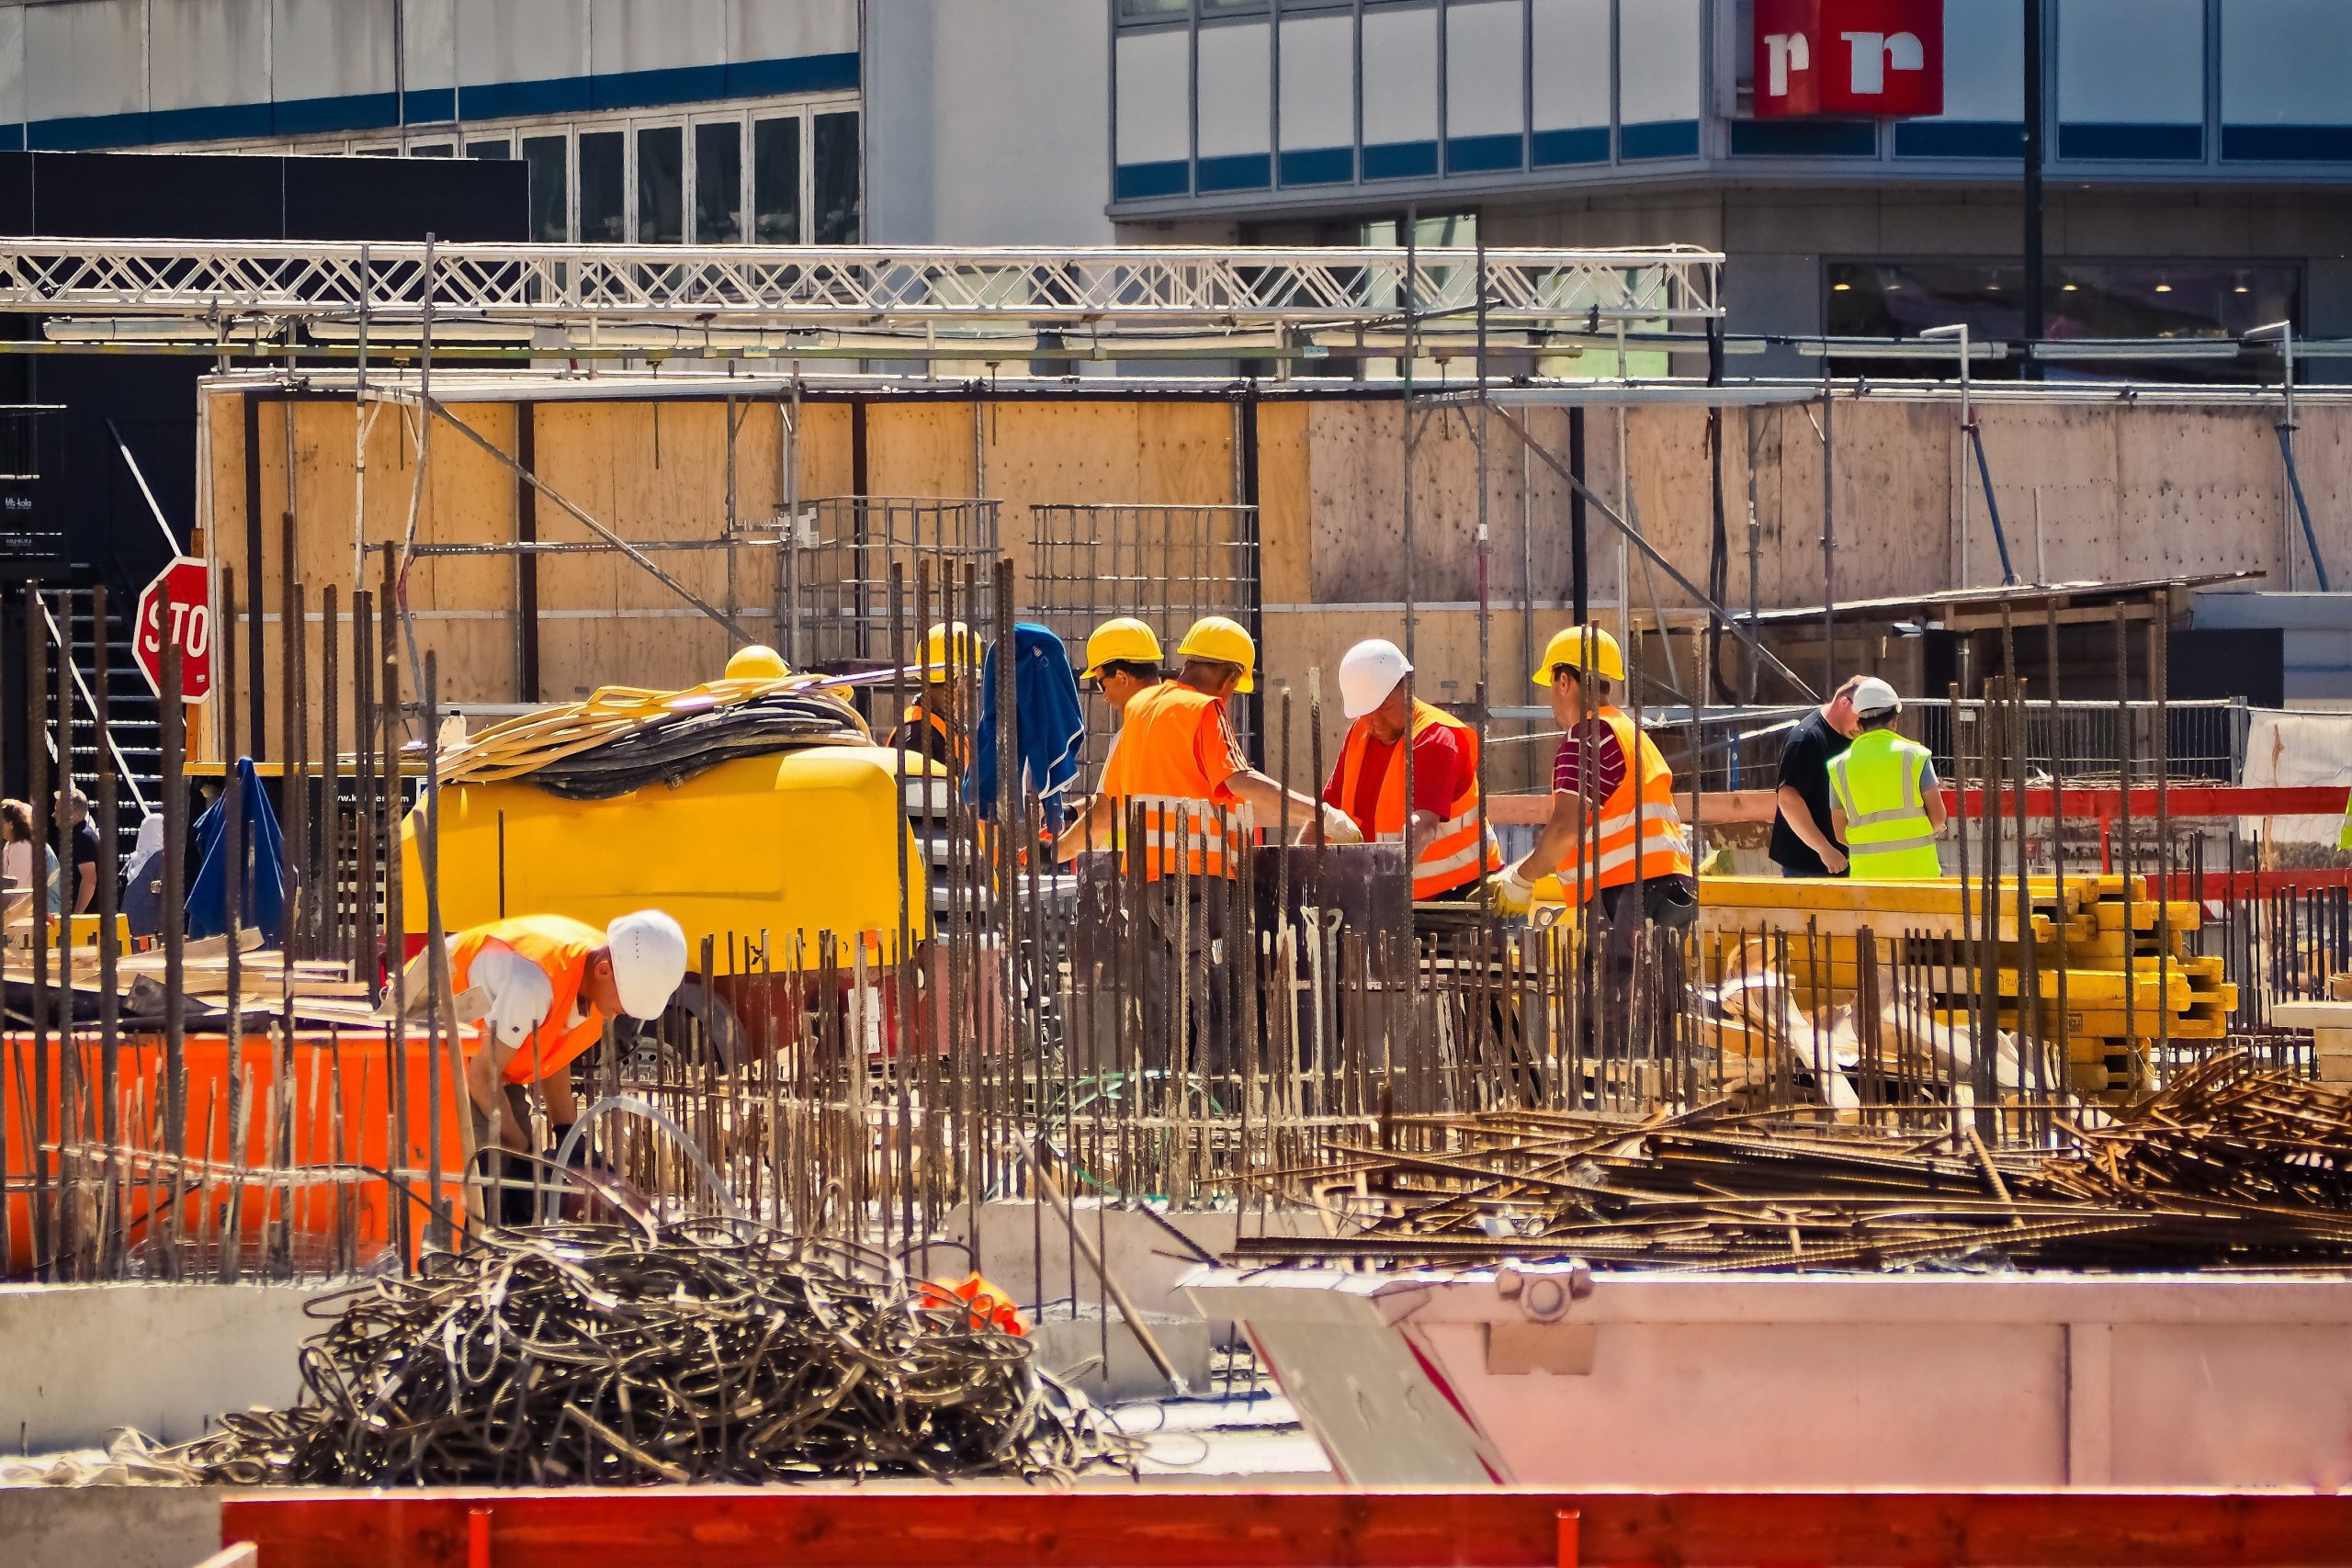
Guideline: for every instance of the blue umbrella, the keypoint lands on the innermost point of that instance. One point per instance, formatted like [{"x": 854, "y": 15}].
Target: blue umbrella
[{"x": 265, "y": 892}]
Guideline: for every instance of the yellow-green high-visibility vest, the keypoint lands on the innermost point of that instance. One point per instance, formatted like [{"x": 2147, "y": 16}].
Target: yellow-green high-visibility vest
[
  {"x": 2343, "y": 837},
  {"x": 1880, "y": 783}
]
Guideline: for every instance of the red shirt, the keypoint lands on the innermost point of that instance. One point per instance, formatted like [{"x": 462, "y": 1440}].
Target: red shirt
[
  {"x": 1608, "y": 762},
  {"x": 1439, "y": 776}
]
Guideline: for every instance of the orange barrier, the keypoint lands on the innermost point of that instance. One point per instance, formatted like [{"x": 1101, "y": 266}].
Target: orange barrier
[
  {"x": 343, "y": 1113},
  {"x": 1191, "y": 1527}
]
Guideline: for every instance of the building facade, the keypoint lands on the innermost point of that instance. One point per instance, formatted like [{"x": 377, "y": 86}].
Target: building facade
[{"x": 2198, "y": 151}]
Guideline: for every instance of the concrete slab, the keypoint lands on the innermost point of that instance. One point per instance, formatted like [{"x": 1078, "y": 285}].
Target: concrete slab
[
  {"x": 122, "y": 1527},
  {"x": 77, "y": 1361},
  {"x": 1074, "y": 1350}
]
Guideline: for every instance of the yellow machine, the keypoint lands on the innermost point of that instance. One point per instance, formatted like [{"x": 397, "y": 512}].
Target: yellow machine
[{"x": 783, "y": 845}]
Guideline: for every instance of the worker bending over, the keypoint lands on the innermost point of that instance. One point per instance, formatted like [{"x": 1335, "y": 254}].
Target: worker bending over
[
  {"x": 1368, "y": 782},
  {"x": 541, "y": 988},
  {"x": 1614, "y": 822},
  {"x": 1178, "y": 766},
  {"x": 1885, "y": 798},
  {"x": 928, "y": 727}
]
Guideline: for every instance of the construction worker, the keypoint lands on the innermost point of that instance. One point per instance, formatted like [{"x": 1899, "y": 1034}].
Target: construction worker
[
  {"x": 541, "y": 988},
  {"x": 1613, "y": 824},
  {"x": 1123, "y": 660},
  {"x": 1368, "y": 780},
  {"x": 1804, "y": 843},
  {"x": 1179, "y": 767},
  {"x": 927, "y": 728},
  {"x": 1885, "y": 799}
]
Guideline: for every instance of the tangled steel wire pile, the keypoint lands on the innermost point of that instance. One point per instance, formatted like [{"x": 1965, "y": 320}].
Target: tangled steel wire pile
[
  {"x": 601, "y": 1355},
  {"x": 2227, "y": 1169}
]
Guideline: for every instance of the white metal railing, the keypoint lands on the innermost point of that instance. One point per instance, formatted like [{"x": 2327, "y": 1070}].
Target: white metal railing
[
  {"x": 67, "y": 665},
  {"x": 1102, "y": 288}
]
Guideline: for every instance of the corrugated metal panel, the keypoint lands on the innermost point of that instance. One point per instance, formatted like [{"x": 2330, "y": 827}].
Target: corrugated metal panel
[
  {"x": 87, "y": 60},
  {"x": 656, "y": 35},
  {"x": 791, "y": 30},
  {"x": 209, "y": 52},
  {"x": 522, "y": 41}
]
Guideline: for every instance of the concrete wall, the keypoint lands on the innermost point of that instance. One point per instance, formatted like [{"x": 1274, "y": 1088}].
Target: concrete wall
[
  {"x": 77, "y": 1361},
  {"x": 988, "y": 125}
]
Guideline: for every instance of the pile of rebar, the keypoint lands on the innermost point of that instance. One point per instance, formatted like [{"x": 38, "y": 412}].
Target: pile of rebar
[
  {"x": 707, "y": 1351},
  {"x": 2229, "y": 1168}
]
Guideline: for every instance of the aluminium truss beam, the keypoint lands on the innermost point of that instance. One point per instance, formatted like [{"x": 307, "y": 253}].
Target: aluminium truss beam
[{"x": 788, "y": 286}]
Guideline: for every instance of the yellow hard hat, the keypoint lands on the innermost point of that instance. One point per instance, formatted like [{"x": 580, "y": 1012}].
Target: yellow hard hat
[
  {"x": 948, "y": 649},
  {"x": 1123, "y": 641},
  {"x": 1213, "y": 636},
  {"x": 1582, "y": 647},
  {"x": 756, "y": 662}
]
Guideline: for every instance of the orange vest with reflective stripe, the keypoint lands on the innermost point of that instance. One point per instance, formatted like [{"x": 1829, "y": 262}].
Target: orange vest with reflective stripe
[
  {"x": 561, "y": 946},
  {"x": 959, "y": 750},
  {"x": 1156, "y": 765},
  {"x": 1451, "y": 856},
  {"x": 1639, "y": 831}
]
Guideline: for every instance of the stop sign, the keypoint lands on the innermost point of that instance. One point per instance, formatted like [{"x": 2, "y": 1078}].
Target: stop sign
[{"x": 177, "y": 607}]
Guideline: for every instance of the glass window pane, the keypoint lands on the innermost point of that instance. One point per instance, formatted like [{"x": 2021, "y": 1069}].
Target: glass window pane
[
  {"x": 836, "y": 154},
  {"x": 604, "y": 217},
  {"x": 1151, "y": 10},
  {"x": 661, "y": 185},
  {"x": 550, "y": 190},
  {"x": 501, "y": 148},
  {"x": 775, "y": 181},
  {"x": 429, "y": 150},
  {"x": 719, "y": 182}
]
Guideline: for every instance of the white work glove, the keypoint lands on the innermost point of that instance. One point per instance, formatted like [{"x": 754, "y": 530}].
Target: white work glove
[
  {"x": 1338, "y": 828},
  {"x": 1508, "y": 893},
  {"x": 515, "y": 996}
]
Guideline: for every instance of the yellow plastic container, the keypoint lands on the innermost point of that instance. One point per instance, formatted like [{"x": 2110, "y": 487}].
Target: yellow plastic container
[{"x": 790, "y": 845}]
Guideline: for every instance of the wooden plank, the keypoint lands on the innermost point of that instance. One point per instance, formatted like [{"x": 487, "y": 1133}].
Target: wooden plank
[
  {"x": 1285, "y": 504},
  {"x": 992, "y": 1526}
]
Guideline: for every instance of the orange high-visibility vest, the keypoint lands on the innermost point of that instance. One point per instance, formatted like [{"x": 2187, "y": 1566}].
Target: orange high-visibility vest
[
  {"x": 959, "y": 750},
  {"x": 1638, "y": 829},
  {"x": 561, "y": 946},
  {"x": 1156, "y": 765},
  {"x": 1451, "y": 856}
]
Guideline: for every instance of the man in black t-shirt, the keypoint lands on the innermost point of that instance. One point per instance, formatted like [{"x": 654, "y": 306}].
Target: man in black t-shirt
[
  {"x": 82, "y": 877},
  {"x": 1802, "y": 843}
]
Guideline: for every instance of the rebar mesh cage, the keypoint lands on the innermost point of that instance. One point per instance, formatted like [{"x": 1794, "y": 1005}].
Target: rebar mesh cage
[
  {"x": 834, "y": 587},
  {"x": 1166, "y": 566}
]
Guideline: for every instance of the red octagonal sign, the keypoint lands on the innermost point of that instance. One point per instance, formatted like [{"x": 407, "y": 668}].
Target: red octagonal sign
[{"x": 177, "y": 608}]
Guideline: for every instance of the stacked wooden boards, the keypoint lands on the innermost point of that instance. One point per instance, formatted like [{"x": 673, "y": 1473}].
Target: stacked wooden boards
[
  {"x": 2111, "y": 966},
  {"x": 265, "y": 979}
]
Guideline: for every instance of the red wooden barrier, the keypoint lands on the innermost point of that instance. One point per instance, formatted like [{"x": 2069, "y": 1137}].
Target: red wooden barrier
[{"x": 889, "y": 1526}]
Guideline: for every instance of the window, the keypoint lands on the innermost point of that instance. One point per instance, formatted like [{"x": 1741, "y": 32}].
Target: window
[
  {"x": 2082, "y": 300},
  {"x": 429, "y": 150},
  {"x": 603, "y": 216},
  {"x": 499, "y": 147},
  {"x": 835, "y": 162},
  {"x": 661, "y": 185},
  {"x": 550, "y": 187},
  {"x": 1153, "y": 10},
  {"x": 775, "y": 181},
  {"x": 719, "y": 182}
]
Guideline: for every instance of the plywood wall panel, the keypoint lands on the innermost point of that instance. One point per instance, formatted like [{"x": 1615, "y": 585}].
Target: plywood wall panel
[
  {"x": 2067, "y": 455},
  {"x": 2216, "y": 512},
  {"x": 1285, "y": 504}
]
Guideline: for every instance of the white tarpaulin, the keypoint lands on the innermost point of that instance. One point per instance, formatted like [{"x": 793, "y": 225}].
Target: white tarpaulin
[{"x": 2297, "y": 749}]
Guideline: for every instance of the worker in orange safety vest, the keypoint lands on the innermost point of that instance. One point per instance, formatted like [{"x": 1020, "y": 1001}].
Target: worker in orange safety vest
[
  {"x": 538, "y": 990},
  {"x": 1613, "y": 827},
  {"x": 1180, "y": 796},
  {"x": 1368, "y": 780}
]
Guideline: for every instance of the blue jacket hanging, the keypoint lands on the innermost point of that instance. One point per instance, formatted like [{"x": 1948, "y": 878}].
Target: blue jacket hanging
[
  {"x": 1049, "y": 726},
  {"x": 265, "y": 895}
]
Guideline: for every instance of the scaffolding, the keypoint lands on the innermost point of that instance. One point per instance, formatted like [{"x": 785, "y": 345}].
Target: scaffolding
[{"x": 1165, "y": 565}]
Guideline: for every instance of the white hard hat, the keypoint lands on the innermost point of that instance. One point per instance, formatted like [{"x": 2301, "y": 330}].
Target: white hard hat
[
  {"x": 1874, "y": 695},
  {"x": 1368, "y": 673},
  {"x": 649, "y": 953}
]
